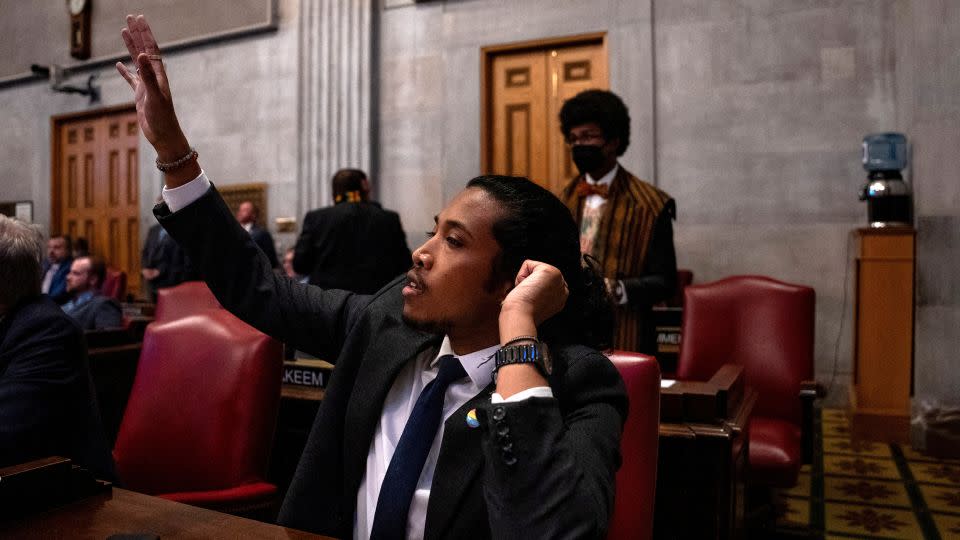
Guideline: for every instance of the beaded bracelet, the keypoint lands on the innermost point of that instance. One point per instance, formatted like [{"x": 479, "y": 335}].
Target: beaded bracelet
[
  {"x": 520, "y": 338},
  {"x": 178, "y": 163}
]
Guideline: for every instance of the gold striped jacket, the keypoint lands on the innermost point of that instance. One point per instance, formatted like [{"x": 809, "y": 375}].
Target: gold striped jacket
[{"x": 623, "y": 238}]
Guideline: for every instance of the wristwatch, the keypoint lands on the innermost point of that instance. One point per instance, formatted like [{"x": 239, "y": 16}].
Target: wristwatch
[{"x": 532, "y": 353}]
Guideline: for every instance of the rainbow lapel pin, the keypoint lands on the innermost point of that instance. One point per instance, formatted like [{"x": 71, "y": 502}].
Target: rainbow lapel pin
[{"x": 472, "y": 419}]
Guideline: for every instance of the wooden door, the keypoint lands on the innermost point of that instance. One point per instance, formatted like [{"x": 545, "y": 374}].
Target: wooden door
[
  {"x": 95, "y": 186},
  {"x": 527, "y": 85}
]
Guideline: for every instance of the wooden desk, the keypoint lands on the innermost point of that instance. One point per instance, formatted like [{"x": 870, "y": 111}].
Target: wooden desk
[
  {"x": 702, "y": 466},
  {"x": 123, "y": 511}
]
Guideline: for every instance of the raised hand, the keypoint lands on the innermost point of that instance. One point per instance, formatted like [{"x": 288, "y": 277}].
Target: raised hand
[{"x": 155, "y": 112}]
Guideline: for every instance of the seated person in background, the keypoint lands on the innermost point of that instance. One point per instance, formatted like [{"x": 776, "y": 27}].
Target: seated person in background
[
  {"x": 55, "y": 268},
  {"x": 415, "y": 436},
  {"x": 625, "y": 223},
  {"x": 288, "y": 267},
  {"x": 247, "y": 215},
  {"x": 47, "y": 402},
  {"x": 355, "y": 244},
  {"x": 87, "y": 306},
  {"x": 162, "y": 262}
]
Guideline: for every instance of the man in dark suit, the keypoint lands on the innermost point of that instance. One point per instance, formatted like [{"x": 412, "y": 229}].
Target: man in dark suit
[
  {"x": 56, "y": 267},
  {"x": 163, "y": 262},
  {"x": 91, "y": 310},
  {"x": 355, "y": 244},
  {"x": 415, "y": 437},
  {"x": 247, "y": 215},
  {"x": 47, "y": 403}
]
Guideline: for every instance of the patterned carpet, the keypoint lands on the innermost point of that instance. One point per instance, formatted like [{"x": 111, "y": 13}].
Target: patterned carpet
[{"x": 856, "y": 489}]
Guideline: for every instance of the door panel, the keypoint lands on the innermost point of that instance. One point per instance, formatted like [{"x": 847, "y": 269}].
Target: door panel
[
  {"x": 97, "y": 189},
  {"x": 527, "y": 86},
  {"x": 518, "y": 113}
]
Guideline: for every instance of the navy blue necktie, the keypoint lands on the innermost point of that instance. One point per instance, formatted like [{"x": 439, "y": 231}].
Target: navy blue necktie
[{"x": 400, "y": 482}]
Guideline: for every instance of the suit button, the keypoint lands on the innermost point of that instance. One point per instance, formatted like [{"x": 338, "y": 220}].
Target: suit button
[
  {"x": 503, "y": 430},
  {"x": 508, "y": 458},
  {"x": 499, "y": 413}
]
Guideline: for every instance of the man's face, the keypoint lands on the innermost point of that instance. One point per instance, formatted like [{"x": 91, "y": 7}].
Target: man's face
[
  {"x": 79, "y": 279},
  {"x": 449, "y": 288},
  {"x": 246, "y": 213},
  {"x": 56, "y": 249}
]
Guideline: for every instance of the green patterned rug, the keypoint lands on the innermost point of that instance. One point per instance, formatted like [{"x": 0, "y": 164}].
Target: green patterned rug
[{"x": 857, "y": 489}]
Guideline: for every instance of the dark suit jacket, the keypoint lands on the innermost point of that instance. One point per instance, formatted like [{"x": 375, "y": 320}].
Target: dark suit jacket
[
  {"x": 168, "y": 257},
  {"x": 263, "y": 239},
  {"x": 58, "y": 286},
  {"x": 358, "y": 247},
  {"x": 541, "y": 468},
  {"x": 47, "y": 402},
  {"x": 99, "y": 312}
]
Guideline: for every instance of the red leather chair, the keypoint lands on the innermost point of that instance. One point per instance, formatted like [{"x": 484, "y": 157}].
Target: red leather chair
[
  {"x": 199, "y": 424},
  {"x": 187, "y": 298},
  {"x": 114, "y": 284},
  {"x": 767, "y": 327},
  {"x": 637, "y": 478}
]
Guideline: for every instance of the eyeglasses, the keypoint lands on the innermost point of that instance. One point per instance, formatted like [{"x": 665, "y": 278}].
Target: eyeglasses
[{"x": 588, "y": 137}]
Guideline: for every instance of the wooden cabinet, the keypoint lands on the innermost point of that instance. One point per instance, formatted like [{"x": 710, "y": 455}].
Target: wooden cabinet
[{"x": 883, "y": 332}]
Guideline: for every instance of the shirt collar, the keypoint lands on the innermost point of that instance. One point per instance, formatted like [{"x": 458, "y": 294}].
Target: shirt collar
[
  {"x": 605, "y": 179},
  {"x": 248, "y": 226},
  {"x": 478, "y": 364}
]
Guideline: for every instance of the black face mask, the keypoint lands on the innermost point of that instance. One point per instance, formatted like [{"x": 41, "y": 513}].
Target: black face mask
[{"x": 587, "y": 157}]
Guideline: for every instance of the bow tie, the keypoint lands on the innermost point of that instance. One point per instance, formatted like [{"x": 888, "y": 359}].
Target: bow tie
[{"x": 585, "y": 189}]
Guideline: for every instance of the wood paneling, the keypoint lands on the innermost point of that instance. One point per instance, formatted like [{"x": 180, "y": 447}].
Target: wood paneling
[
  {"x": 525, "y": 86},
  {"x": 95, "y": 186}
]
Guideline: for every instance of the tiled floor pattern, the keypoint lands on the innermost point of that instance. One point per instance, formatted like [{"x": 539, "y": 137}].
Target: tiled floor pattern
[{"x": 858, "y": 489}]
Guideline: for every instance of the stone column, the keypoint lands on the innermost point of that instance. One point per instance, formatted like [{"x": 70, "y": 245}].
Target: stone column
[{"x": 334, "y": 103}]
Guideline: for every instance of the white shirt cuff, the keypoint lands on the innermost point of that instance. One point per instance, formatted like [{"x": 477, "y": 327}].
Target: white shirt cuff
[
  {"x": 181, "y": 197},
  {"x": 623, "y": 294},
  {"x": 536, "y": 391}
]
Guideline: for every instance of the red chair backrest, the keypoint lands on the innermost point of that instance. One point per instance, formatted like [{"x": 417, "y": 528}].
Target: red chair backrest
[
  {"x": 187, "y": 298},
  {"x": 203, "y": 407},
  {"x": 637, "y": 477},
  {"x": 114, "y": 284},
  {"x": 760, "y": 323}
]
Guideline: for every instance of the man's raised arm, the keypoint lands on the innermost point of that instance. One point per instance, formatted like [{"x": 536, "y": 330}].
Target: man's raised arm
[{"x": 155, "y": 113}]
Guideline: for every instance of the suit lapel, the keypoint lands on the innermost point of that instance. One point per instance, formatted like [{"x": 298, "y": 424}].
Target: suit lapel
[
  {"x": 460, "y": 461},
  {"x": 385, "y": 357}
]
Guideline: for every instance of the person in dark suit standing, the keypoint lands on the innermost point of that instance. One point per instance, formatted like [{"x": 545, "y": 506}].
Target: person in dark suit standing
[
  {"x": 91, "y": 310},
  {"x": 444, "y": 416},
  {"x": 355, "y": 244},
  {"x": 247, "y": 215},
  {"x": 47, "y": 402},
  {"x": 56, "y": 267},
  {"x": 163, "y": 262}
]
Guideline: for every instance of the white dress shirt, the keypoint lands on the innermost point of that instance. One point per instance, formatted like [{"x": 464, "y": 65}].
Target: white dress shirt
[
  {"x": 48, "y": 278},
  {"x": 398, "y": 405},
  {"x": 595, "y": 201}
]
